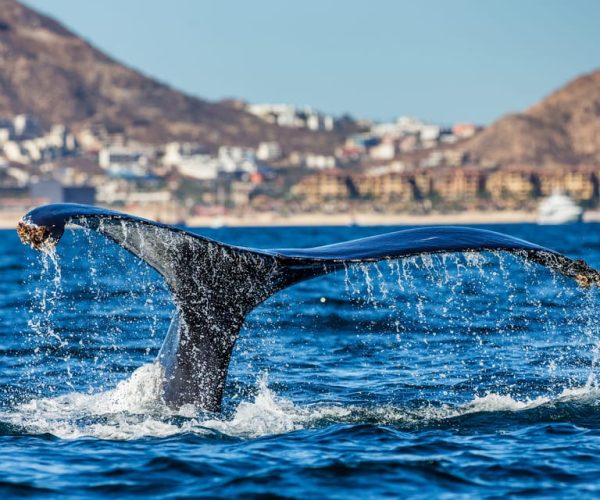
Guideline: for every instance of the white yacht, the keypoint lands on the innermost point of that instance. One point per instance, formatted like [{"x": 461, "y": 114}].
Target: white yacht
[{"x": 558, "y": 209}]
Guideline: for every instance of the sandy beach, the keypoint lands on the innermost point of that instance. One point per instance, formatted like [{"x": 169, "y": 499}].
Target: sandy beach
[{"x": 362, "y": 219}]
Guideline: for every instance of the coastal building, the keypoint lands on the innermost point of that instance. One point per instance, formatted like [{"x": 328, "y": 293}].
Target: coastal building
[
  {"x": 331, "y": 184},
  {"x": 458, "y": 183},
  {"x": 176, "y": 152},
  {"x": 464, "y": 130},
  {"x": 429, "y": 134},
  {"x": 6, "y": 130},
  {"x": 515, "y": 182},
  {"x": 268, "y": 151},
  {"x": 385, "y": 150},
  {"x": 405, "y": 126},
  {"x": 14, "y": 151},
  {"x": 233, "y": 159},
  {"x": 126, "y": 161},
  {"x": 409, "y": 125},
  {"x": 199, "y": 167},
  {"x": 93, "y": 138},
  {"x": 319, "y": 162},
  {"x": 190, "y": 160},
  {"x": 287, "y": 115},
  {"x": 511, "y": 187},
  {"x": 193, "y": 162},
  {"x": 26, "y": 127},
  {"x": 386, "y": 186},
  {"x": 110, "y": 156},
  {"x": 580, "y": 183}
]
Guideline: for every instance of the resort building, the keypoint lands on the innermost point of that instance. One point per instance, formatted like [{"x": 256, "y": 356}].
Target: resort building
[
  {"x": 580, "y": 183},
  {"x": 458, "y": 183},
  {"x": 516, "y": 182},
  {"x": 388, "y": 187},
  {"x": 329, "y": 184}
]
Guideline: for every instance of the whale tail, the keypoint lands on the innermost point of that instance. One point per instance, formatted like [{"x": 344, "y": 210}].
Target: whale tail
[{"x": 215, "y": 286}]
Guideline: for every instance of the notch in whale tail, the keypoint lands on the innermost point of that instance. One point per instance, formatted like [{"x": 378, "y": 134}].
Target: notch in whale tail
[{"x": 214, "y": 285}]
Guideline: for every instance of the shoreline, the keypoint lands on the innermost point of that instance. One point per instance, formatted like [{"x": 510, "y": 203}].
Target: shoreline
[
  {"x": 362, "y": 219},
  {"x": 9, "y": 220}
]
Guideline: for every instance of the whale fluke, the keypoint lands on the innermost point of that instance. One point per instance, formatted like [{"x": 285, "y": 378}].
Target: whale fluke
[{"x": 215, "y": 286}]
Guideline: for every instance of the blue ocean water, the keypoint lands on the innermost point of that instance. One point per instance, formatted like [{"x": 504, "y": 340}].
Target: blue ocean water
[{"x": 435, "y": 376}]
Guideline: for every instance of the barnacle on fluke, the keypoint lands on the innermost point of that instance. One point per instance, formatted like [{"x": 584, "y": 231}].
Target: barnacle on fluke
[
  {"x": 579, "y": 270},
  {"x": 38, "y": 237},
  {"x": 586, "y": 276}
]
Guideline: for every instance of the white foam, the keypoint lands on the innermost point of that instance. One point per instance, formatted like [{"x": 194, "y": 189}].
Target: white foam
[
  {"x": 134, "y": 409},
  {"x": 269, "y": 414},
  {"x": 131, "y": 410},
  {"x": 492, "y": 402}
]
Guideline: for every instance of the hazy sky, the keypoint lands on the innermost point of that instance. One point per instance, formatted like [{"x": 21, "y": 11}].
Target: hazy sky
[{"x": 440, "y": 60}]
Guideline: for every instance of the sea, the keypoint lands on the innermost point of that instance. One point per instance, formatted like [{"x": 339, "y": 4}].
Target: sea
[{"x": 435, "y": 376}]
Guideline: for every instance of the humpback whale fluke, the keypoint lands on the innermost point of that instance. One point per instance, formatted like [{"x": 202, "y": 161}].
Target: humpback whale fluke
[{"x": 215, "y": 286}]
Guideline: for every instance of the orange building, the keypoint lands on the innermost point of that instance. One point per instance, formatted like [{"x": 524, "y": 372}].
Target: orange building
[
  {"x": 516, "y": 182},
  {"x": 389, "y": 186},
  {"x": 458, "y": 183},
  {"x": 581, "y": 182},
  {"x": 329, "y": 184}
]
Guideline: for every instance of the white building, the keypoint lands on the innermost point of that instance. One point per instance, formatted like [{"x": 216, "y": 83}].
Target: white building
[
  {"x": 319, "y": 162},
  {"x": 119, "y": 155},
  {"x": 429, "y": 133},
  {"x": 200, "y": 167},
  {"x": 192, "y": 161},
  {"x": 237, "y": 159},
  {"x": 383, "y": 151},
  {"x": 268, "y": 151},
  {"x": 13, "y": 151},
  {"x": 61, "y": 138},
  {"x": 286, "y": 115},
  {"x": 26, "y": 127},
  {"x": 93, "y": 138},
  {"x": 6, "y": 131},
  {"x": 127, "y": 161},
  {"x": 175, "y": 152}
]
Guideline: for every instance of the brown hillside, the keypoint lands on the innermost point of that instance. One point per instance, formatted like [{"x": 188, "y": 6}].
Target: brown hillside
[
  {"x": 563, "y": 128},
  {"x": 49, "y": 72}
]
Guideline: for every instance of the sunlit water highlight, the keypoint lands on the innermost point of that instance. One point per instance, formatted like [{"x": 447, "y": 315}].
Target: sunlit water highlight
[{"x": 472, "y": 374}]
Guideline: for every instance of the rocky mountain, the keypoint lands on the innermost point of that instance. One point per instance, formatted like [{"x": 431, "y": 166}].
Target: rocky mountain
[
  {"x": 564, "y": 128},
  {"x": 48, "y": 71}
]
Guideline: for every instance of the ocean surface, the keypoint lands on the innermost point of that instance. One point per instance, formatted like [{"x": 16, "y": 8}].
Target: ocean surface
[{"x": 452, "y": 375}]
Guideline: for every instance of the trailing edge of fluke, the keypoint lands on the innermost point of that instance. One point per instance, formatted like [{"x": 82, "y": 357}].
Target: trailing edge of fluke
[{"x": 215, "y": 285}]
